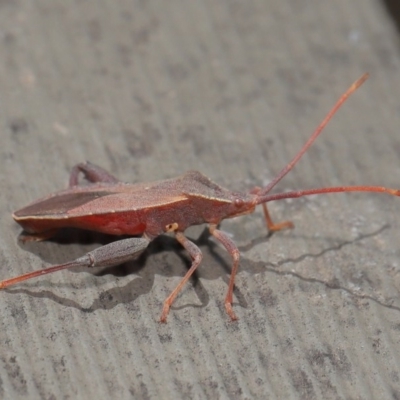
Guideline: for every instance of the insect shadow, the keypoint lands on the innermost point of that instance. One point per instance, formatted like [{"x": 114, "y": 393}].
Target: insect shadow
[{"x": 159, "y": 259}]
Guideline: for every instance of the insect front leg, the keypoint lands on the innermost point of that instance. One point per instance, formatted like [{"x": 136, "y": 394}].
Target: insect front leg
[
  {"x": 92, "y": 173},
  {"x": 272, "y": 227},
  {"x": 197, "y": 256},
  {"x": 231, "y": 248},
  {"x": 106, "y": 256}
]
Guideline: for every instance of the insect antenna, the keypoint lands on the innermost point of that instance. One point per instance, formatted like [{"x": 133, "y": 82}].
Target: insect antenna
[
  {"x": 262, "y": 194},
  {"x": 334, "y": 189}
]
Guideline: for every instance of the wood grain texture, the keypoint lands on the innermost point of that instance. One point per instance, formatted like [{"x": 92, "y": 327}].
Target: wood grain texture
[{"x": 150, "y": 89}]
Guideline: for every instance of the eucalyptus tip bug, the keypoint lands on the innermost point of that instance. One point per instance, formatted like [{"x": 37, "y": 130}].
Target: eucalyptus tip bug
[{"x": 146, "y": 210}]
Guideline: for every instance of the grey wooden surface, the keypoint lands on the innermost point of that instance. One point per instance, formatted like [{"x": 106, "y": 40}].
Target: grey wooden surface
[{"x": 149, "y": 89}]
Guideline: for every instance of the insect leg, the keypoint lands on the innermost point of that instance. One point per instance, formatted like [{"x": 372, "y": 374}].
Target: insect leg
[
  {"x": 115, "y": 253},
  {"x": 234, "y": 252},
  {"x": 106, "y": 256},
  {"x": 92, "y": 173},
  {"x": 196, "y": 256},
  {"x": 272, "y": 227}
]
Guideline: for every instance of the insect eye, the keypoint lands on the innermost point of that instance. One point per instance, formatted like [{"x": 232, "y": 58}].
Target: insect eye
[{"x": 239, "y": 202}]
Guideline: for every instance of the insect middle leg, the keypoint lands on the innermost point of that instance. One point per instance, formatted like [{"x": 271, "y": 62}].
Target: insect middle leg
[
  {"x": 92, "y": 173},
  {"x": 197, "y": 256}
]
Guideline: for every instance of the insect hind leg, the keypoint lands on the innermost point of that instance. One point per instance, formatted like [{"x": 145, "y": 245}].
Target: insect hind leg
[
  {"x": 105, "y": 256},
  {"x": 92, "y": 173}
]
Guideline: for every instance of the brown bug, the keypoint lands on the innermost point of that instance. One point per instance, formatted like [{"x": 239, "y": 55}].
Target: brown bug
[{"x": 150, "y": 209}]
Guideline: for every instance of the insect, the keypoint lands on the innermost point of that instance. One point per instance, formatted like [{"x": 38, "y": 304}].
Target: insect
[{"x": 150, "y": 209}]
